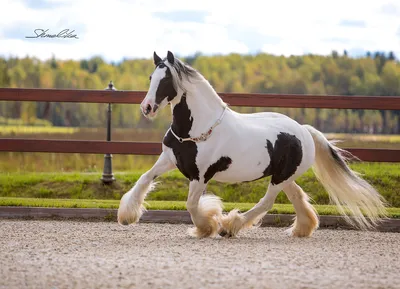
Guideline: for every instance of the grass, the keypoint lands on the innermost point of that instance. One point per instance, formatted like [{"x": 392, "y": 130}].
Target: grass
[
  {"x": 77, "y": 176},
  {"x": 162, "y": 205},
  {"x": 391, "y": 138},
  {"x": 174, "y": 187},
  {"x": 366, "y": 140},
  {"x": 16, "y": 162},
  {"x": 22, "y": 130}
]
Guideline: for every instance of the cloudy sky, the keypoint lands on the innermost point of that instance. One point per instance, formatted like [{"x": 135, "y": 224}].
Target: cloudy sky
[{"x": 134, "y": 29}]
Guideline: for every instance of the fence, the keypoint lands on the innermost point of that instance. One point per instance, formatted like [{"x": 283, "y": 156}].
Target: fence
[{"x": 111, "y": 95}]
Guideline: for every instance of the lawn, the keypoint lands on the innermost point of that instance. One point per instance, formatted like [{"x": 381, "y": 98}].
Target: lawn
[{"x": 174, "y": 187}]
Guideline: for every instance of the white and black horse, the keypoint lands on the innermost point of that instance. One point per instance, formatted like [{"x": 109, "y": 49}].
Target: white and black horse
[{"x": 208, "y": 140}]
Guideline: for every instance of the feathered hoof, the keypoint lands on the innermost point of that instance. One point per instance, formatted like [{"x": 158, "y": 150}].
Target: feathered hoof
[
  {"x": 208, "y": 230},
  {"x": 224, "y": 233},
  {"x": 129, "y": 213},
  {"x": 206, "y": 219},
  {"x": 305, "y": 228},
  {"x": 231, "y": 224}
]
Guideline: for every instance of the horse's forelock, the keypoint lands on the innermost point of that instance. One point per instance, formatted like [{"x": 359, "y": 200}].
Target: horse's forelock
[{"x": 178, "y": 70}]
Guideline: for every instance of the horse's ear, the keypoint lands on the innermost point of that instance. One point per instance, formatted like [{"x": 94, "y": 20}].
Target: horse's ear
[
  {"x": 157, "y": 59},
  {"x": 170, "y": 57}
]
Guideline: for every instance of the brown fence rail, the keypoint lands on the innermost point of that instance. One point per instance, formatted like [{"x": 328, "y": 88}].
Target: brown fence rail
[
  {"x": 234, "y": 99},
  {"x": 145, "y": 148},
  {"x": 149, "y": 148}
]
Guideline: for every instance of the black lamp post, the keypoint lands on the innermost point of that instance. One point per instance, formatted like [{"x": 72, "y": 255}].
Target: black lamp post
[{"x": 108, "y": 176}]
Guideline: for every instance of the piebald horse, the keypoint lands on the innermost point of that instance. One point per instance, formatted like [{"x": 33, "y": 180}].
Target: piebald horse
[{"x": 208, "y": 140}]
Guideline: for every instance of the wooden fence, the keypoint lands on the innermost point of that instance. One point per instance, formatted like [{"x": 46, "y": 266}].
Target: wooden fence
[{"x": 151, "y": 148}]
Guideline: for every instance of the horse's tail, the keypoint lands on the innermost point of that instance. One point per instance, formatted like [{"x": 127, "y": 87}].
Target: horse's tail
[{"x": 344, "y": 186}]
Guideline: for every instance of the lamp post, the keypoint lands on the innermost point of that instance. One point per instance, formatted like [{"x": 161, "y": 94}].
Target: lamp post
[{"x": 108, "y": 176}]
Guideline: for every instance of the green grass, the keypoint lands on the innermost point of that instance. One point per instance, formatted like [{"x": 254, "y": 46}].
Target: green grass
[
  {"x": 391, "y": 138},
  {"x": 23, "y": 129},
  {"x": 161, "y": 205},
  {"x": 174, "y": 187}
]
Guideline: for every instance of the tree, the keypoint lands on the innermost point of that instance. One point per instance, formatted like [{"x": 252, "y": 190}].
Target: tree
[
  {"x": 94, "y": 63},
  {"x": 391, "y": 56},
  {"x": 4, "y": 76},
  {"x": 307, "y": 74}
]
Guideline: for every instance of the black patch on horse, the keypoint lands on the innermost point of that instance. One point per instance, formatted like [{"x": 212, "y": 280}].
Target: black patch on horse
[
  {"x": 219, "y": 166},
  {"x": 165, "y": 87},
  {"x": 285, "y": 155},
  {"x": 185, "y": 152}
]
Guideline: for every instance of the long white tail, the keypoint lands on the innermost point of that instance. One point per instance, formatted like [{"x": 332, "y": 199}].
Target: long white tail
[{"x": 352, "y": 195}]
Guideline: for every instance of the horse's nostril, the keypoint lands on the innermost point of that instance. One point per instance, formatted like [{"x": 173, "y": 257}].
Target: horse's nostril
[{"x": 148, "y": 109}]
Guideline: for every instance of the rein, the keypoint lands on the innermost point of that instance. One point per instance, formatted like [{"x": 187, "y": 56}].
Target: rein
[{"x": 203, "y": 136}]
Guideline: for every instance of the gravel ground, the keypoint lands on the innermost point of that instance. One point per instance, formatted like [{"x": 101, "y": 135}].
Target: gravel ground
[{"x": 65, "y": 254}]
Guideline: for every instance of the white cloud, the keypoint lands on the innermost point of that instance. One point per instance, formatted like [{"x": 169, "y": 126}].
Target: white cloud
[{"x": 130, "y": 29}]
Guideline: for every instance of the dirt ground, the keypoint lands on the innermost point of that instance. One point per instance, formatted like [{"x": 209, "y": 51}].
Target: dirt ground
[{"x": 66, "y": 254}]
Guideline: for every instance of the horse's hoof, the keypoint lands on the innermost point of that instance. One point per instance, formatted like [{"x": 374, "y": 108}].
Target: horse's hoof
[
  {"x": 224, "y": 233},
  {"x": 125, "y": 223}
]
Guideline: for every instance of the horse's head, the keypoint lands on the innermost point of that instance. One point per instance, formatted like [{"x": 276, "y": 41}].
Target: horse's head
[{"x": 162, "y": 89}]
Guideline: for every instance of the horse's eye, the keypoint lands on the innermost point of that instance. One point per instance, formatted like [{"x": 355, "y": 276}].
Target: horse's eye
[{"x": 150, "y": 77}]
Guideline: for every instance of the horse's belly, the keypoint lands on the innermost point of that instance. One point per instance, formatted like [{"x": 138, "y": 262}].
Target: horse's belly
[
  {"x": 244, "y": 168},
  {"x": 237, "y": 177}
]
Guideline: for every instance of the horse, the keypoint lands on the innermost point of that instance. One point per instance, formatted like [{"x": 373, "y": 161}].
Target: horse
[{"x": 208, "y": 140}]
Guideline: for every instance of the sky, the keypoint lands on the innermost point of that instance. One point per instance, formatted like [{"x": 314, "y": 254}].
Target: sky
[{"x": 117, "y": 30}]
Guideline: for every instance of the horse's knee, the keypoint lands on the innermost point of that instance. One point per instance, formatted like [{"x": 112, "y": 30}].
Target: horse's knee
[
  {"x": 269, "y": 206},
  {"x": 145, "y": 178}
]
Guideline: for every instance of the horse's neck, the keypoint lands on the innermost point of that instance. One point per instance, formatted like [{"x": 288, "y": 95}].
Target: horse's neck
[{"x": 205, "y": 108}]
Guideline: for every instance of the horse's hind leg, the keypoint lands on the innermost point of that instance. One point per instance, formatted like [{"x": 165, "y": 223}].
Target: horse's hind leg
[{"x": 306, "y": 221}]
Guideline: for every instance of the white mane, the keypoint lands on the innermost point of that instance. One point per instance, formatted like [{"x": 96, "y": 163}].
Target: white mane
[{"x": 186, "y": 77}]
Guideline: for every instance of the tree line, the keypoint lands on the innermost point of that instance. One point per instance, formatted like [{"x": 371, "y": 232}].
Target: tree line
[{"x": 374, "y": 74}]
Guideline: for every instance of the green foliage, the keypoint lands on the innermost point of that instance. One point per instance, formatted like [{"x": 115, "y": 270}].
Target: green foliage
[
  {"x": 174, "y": 187},
  {"x": 37, "y": 128},
  {"x": 375, "y": 74},
  {"x": 18, "y": 122}
]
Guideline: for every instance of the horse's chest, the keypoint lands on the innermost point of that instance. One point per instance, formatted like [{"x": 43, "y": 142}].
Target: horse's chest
[{"x": 185, "y": 155}]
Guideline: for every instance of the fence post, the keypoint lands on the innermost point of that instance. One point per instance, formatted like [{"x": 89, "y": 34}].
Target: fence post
[{"x": 108, "y": 176}]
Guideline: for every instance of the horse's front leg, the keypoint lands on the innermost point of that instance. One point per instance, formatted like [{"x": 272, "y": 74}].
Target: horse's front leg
[
  {"x": 205, "y": 210},
  {"x": 131, "y": 205}
]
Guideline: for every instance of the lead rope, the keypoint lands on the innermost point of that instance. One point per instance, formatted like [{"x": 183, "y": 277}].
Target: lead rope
[{"x": 203, "y": 136}]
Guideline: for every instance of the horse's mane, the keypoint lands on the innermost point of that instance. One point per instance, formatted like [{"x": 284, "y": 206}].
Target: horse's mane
[{"x": 181, "y": 70}]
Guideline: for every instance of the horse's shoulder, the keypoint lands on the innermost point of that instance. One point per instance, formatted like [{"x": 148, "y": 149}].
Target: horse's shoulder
[
  {"x": 169, "y": 139},
  {"x": 184, "y": 155}
]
